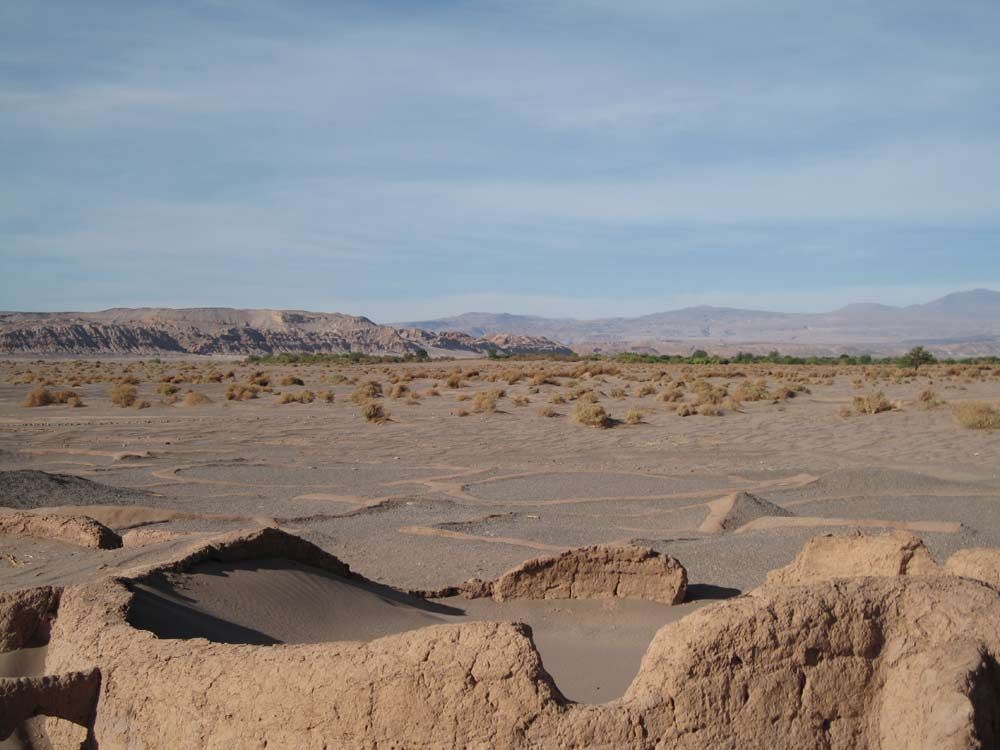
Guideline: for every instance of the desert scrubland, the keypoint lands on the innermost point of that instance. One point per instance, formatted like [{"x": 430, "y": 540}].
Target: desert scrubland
[{"x": 220, "y": 553}]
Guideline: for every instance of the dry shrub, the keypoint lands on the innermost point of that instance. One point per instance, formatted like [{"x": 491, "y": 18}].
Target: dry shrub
[
  {"x": 618, "y": 393},
  {"x": 454, "y": 380},
  {"x": 927, "y": 399},
  {"x": 399, "y": 390},
  {"x": 144, "y": 404},
  {"x": 755, "y": 390},
  {"x": 647, "y": 389},
  {"x": 633, "y": 416},
  {"x": 366, "y": 391},
  {"x": 486, "y": 401},
  {"x": 732, "y": 404},
  {"x": 42, "y": 396},
  {"x": 38, "y": 397},
  {"x": 241, "y": 392},
  {"x": 673, "y": 394},
  {"x": 873, "y": 403},
  {"x": 520, "y": 400},
  {"x": 123, "y": 395},
  {"x": 193, "y": 398},
  {"x": 592, "y": 415},
  {"x": 784, "y": 392},
  {"x": 461, "y": 412},
  {"x": 373, "y": 411},
  {"x": 261, "y": 379},
  {"x": 547, "y": 411},
  {"x": 709, "y": 410},
  {"x": 557, "y": 398},
  {"x": 326, "y": 396},
  {"x": 291, "y": 380},
  {"x": 686, "y": 410},
  {"x": 976, "y": 415},
  {"x": 706, "y": 393},
  {"x": 167, "y": 389}
]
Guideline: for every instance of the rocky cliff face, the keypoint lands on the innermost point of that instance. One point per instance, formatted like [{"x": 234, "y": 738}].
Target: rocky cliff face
[{"x": 148, "y": 331}]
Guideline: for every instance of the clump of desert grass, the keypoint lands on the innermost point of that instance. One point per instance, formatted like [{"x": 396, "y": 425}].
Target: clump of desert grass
[
  {"x": 326, "y": 396},
  {"x": 520, "y": 400},
  {"x": 399, "y": 390},
  {"x": 976, "y": 415},
  {"x": 485, "y": 402},
  {"x": 193, "y": 398},
  {"x": 672, "y": 394},
  {"x": 557, "y": 398},
  {"x": 374, "y": 412},
  {"x": 927, "y": 399},
  {"x": 241, "y": 391},
  {"x": 709, "y": 410},
  {"x": 686, "y": 410},
  {"x": 753, "y": 390},
  {"x": 591, "y": 415},
  {"x": 302, "y": 397},
  {"x": 707, "y": 393},
  {"x": 646, "y": 389},
  {"x": 370, "y": 389},
  {"x": 123, "y": 394},
  {"x": 291, "y": 380},
  {"x": 633, "y": 416},
  {"x": 44, "y": 397},
  {"x": 732, "y": 404},
  {"x": 454, "y": 380},
  {"x": 873, "y": 403},
  {"x": 461, "y": 412},
  {"x": 618, "y": 393},
  {"x": 547, "y": 411},
  {"x": 167, "y": 389}
]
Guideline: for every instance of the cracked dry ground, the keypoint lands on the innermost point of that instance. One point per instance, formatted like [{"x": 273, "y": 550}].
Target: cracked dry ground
[{"x": 430, "y": 498}]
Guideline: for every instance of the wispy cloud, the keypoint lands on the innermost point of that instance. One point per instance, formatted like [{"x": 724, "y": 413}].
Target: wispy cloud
[{"x": 379, "y": 157}]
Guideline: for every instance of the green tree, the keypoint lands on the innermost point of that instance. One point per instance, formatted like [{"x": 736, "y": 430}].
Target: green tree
[{"x": 917, "y": 356}]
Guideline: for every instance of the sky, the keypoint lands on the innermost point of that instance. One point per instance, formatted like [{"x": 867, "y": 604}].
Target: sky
[{"x": 411, "y": 159}]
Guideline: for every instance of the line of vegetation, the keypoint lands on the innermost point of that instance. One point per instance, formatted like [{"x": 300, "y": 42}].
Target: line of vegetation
[
  {"x": 345, "y": 358},
  {"x": 915, "y": 358}
]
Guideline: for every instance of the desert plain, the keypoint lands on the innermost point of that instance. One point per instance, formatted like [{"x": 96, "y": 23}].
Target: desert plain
[{"x": 431, "y": 481}]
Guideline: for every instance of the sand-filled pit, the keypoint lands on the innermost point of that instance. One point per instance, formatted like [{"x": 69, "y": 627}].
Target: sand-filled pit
[{"x": 591, "y": 648}]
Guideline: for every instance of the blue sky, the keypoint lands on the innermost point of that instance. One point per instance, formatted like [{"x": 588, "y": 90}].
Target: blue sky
[{"x": 411, "y": 159}]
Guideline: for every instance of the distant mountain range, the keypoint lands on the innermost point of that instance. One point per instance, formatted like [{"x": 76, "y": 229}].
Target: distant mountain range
[
  {"x": 218, "y": 330},
  {"x": 960, "y": 324}
]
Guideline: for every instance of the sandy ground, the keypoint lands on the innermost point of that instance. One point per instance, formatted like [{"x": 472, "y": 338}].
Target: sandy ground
[{"x": 430, "y": 498}]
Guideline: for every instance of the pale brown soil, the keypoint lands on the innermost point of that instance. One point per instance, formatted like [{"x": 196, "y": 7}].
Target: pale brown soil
[{"x": 429, "y": 499}]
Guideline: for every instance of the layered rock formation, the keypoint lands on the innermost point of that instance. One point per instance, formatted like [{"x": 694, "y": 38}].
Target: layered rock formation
[{"x": 150, "y": 331}]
